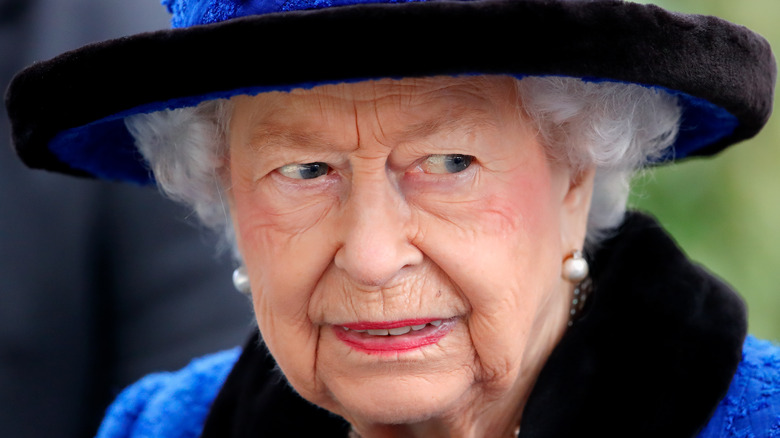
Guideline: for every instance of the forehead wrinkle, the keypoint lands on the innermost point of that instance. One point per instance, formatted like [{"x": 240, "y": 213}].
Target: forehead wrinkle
[
  {"x": 458, "y": 105},
  {"x": 275, "y": 136},
  {"x": 449, "y": 105},
  {"x": 463, "y": 121},
  {"x": 268, "y": 124}
]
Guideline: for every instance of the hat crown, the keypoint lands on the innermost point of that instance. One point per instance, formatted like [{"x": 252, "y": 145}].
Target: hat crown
[{"x": 186, "y": 13}]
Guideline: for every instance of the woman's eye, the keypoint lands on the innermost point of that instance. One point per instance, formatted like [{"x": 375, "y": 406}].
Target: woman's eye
[
  {"x": 446, "y": 163},
  {"x": 304, "y": 171}
]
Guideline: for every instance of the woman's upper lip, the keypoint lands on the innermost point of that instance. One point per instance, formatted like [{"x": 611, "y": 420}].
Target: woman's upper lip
[{"x": 377, "y": 325}]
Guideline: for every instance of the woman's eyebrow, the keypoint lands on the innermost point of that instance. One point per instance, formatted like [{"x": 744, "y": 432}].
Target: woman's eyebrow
[
  {"x": 286, "y": 138},
  {"x": 463, "y": 121}
]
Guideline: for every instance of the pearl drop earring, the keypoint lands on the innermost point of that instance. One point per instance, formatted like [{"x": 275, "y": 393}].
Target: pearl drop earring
[
  {"x": 575, "y": 267},
  {"x": 575, "y": 270},
  {"x": 241, "y": 280}
]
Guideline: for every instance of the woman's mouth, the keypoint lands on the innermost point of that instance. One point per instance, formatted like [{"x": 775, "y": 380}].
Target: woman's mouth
[{"x": 393, "y": 336}]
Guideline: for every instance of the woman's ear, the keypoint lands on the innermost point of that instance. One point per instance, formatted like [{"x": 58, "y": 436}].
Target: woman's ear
[{"x": 576, "y": 207}]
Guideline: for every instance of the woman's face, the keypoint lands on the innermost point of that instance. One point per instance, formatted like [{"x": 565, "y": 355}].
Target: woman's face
[{"x": 404, "y": 242}]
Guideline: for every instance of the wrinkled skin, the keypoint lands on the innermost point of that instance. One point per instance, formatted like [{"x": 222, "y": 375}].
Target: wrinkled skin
[{"x": 386, "y": 233}]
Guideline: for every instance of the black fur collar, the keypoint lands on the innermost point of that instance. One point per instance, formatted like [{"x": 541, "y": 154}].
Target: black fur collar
[{"x": 651, "y": 357}]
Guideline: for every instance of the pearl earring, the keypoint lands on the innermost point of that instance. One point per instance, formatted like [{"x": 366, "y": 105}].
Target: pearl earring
[
  {"x": 575, "y": 267},
  {"x": 241, "y": 280},
  {"x": 575, "y": 270}
]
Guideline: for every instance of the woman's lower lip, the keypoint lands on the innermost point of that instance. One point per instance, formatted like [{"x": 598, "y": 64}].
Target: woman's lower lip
[{"x": 384, "y": 344}]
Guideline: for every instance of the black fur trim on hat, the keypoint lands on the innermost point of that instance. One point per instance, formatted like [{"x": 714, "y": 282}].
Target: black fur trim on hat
[
  {"x": 704, "y": 57},
  {"x": 652, "y": 357}
]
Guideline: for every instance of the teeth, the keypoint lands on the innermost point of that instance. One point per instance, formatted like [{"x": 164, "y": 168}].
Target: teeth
[
  {"x": 356, "y": 331},
  {"x": 378, "y": 332},
  {"x": 400, "y": 330},
  {"x": 396, "y": 331}
]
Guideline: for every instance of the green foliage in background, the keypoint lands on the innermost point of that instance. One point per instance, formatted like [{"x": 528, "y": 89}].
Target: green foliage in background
[{"x": 725, "y": 211}]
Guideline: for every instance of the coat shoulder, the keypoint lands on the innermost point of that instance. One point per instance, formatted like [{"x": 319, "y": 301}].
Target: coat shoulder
[
  {"x": 751, "y": 408},
  {"x": 170, "y": 404}
]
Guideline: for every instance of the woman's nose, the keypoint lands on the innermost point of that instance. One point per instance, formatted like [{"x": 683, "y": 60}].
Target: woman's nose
[{"x": 376, "y": 233}]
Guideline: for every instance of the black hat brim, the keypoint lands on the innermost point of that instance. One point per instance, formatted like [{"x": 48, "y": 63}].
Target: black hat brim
[{"x": 67, "y": 113}]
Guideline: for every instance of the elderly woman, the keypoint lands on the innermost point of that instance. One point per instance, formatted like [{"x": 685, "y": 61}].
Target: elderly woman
[{"x": 434, "y": 238}]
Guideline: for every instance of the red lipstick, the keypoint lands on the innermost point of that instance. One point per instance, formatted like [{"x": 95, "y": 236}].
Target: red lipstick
[{"x": 390, "y": 337}]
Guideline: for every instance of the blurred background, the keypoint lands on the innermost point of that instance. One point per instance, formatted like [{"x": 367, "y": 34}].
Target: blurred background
[
  {"x": 725, "y": 211},
  {"x": 100, "y": 283}
]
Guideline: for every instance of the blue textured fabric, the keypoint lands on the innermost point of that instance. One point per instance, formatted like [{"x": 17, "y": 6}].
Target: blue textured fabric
[
  {"x": 751, "y": 409},
  {"x": 170, "y": 405},
  {"x": 186, "y": 13},
  {"x": 175, "y": 405}
]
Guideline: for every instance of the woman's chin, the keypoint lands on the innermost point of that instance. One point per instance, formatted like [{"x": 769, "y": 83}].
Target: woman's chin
[
  {"x": 396, "y": 387},
  {"x": 388, "y": 401}
]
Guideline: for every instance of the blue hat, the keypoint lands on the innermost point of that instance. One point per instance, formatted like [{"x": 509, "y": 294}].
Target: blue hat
[{"x": 68, "y": 113}]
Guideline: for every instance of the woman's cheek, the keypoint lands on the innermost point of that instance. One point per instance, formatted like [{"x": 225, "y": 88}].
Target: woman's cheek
[
  {"x": 278, "y": 246},
  {"x": 277, "y": 238},
  {"x": 277, "y": 230},
  {"x": 493, "y": 243},
  {"x": 289, "y": 207},
  {"x": 482, "y": 202}
]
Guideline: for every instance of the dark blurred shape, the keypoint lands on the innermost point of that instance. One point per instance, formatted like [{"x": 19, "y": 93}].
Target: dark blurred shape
[
  {"x": 10, "y": 10},
  {"x": 101, "y": 283}
]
